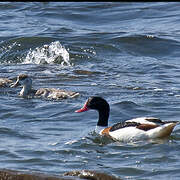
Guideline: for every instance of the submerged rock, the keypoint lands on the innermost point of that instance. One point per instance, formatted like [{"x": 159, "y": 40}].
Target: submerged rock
[{"x": 83, "y": 174}]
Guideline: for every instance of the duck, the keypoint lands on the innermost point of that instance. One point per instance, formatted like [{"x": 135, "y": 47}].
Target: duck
[
  {"x": 5, "y": 82},
  {"x": 50, "y": 93},
  {"x": 136, "y": 129}
]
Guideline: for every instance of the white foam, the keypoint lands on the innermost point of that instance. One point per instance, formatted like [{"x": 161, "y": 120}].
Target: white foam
[{"x": 48, "y": 54}]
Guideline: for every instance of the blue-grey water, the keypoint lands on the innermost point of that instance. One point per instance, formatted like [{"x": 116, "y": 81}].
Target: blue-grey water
[{"x": 126, "y": 52}]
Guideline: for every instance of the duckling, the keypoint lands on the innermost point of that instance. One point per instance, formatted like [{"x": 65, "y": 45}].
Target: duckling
[
  {"x": 5, "y": 82},
  {"x": 50, "y": 93}
]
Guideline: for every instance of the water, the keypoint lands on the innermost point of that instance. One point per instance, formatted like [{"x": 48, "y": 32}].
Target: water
[{"x": 127, "y": 53}]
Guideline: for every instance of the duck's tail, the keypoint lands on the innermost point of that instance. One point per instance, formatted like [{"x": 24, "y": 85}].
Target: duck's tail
[{"x": 162, "y": 131}]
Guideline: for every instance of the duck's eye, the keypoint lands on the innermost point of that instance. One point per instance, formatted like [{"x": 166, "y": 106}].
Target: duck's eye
[{"x": 92, "y": 105}]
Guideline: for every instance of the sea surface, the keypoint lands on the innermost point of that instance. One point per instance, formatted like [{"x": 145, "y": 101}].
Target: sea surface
[{"x": 125, "y": 52}]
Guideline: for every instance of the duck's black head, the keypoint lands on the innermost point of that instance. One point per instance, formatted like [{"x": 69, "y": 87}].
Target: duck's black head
[{"x": 99, "y": 104}]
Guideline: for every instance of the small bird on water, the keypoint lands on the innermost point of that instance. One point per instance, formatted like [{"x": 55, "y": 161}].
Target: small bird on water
[
  {"x": 5, "y": 82},
  {"x": 50, "y": 93}
]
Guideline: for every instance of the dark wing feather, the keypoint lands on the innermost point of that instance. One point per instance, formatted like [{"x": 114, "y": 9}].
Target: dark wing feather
[
  {"x": 158, "y": 121},
  {"x": 123, "y": 125},
  {"x": 154, "y": 120}
]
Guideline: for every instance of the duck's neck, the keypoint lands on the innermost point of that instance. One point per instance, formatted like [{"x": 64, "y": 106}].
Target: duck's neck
[
  {"x": 26, "y": 90},
  {"x": 103, "y": 121},
  {"x": 99, "y": 129},
  {"x": 103, "y": 117}
]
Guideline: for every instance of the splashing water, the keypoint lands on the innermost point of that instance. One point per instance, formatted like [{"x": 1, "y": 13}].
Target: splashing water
[{"x": 48, "y": 54}]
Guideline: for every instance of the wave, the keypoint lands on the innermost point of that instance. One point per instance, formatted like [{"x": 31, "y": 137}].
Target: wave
[
  {"x": 147, "y": 45},
  {"x": 33, "y": 50}
]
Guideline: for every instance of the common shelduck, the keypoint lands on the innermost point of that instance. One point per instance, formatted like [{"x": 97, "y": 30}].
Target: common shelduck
[
  {"x": 131, "y": 130},
  {"x": 50, "y": 93}
]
